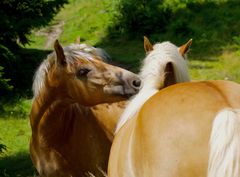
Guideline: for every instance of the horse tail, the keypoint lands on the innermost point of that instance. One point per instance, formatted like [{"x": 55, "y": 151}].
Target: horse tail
[{"x": 224, "y": 158}]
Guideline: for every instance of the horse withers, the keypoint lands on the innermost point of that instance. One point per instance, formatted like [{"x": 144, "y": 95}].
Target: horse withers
[{"x": 66, "y": 139}]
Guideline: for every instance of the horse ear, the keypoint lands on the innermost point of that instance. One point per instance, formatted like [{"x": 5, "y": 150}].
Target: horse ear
[
  {"x": 185, "y": 48},
  {"x": 78, "y": 40},
  {"x": 169, "y": 75},
  {"x": 147, "y": 45},
  {"x": 60, "y": 54}
]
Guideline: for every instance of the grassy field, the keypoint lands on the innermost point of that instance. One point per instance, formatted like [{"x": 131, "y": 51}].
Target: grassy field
[
  {"x": 15, "y": 134},
  {"x": 215, "y": 54}
]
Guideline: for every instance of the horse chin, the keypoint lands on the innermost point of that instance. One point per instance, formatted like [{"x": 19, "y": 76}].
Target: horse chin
[{"x": 119, "y": 90}]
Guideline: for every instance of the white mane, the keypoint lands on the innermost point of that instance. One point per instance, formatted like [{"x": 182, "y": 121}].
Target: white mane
[
  {"x": 152, "y": 75},
  {"x": 71, "y": 52}
]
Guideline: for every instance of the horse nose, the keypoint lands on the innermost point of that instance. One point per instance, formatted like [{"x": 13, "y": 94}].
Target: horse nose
[{"x": 136, "y": 83}]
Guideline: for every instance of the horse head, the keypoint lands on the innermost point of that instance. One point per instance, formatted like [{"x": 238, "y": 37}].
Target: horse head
[
  {"x": 165, "y": 64},
  {"x": 82, "y": 76}
]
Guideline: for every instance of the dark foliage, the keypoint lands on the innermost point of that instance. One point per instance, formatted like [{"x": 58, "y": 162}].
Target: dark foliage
[
  {"x": 199, "y": 18},
  {"x": 2, "y": 148},
  {"x": 20, "y": 69},
  {"x": 138, "y": 17},
  {"x": 4, "y": 83},
  {"x": 15, "y": 166},
  {"x": 17, "y": 19}
]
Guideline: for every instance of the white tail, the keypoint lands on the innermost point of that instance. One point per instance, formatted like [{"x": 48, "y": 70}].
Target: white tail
[{"x": 224, "y": 159}]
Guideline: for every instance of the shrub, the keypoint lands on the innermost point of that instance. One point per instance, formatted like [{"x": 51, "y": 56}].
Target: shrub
[
  {"x": 140, "y": 16},
  {"x": 143, "y": 17}
]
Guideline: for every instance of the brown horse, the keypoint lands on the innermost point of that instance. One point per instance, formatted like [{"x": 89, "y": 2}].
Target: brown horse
[
  {"x": 66, "y": 138},
  {"x": 167, "y": 61}
]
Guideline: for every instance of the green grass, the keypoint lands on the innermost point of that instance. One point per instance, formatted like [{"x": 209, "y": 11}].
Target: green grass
[
  {"x": 15, "y": 135},
  {"x": 37, "y": 41},
  {"x": 224, "y": 67},
  {"x": 15, "y": 161},
  {"x": 87, "y": 19}
]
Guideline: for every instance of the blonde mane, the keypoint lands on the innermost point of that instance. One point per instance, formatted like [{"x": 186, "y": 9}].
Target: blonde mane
[
  {"x": 153, "y": 75},
  {"x": 72, "y": 53}
]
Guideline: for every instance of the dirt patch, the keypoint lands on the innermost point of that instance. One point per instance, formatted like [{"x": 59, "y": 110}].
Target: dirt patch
[{"x": 52, "y": 32}]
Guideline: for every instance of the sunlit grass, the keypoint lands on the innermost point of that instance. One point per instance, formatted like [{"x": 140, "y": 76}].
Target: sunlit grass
[
  {"x": 15, "y": 134},
  {"x": 15, "y": 128},
  {"x": 37, "y": 41},
  {"x": 223, "y": 67},
  {"x": 87, "y": 19}
]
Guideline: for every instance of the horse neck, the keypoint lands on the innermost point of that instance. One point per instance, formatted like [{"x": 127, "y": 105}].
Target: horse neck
[
  {"x": 46, "y": 100},
  {"x": 60, "y": 118}
]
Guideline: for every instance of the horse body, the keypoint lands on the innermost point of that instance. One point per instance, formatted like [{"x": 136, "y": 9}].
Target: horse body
[
  {"x": 67, "y": 140},
  {"x": 170, "y": 135}
]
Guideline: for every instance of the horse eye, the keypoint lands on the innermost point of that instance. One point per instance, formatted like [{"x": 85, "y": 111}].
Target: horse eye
[{"x": 83, "y": 72}]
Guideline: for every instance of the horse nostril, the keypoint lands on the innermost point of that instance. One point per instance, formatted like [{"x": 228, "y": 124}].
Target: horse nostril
[{"x": 136, "y": 83}]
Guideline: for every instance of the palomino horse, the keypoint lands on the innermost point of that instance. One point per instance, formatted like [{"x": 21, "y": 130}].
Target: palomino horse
[
  {"x": 185, "y": 130},
  {"x": 66, "y": 139}
]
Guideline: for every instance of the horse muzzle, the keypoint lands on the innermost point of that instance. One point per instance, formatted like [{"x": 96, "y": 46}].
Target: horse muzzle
[{"x": 128, "y": 85}]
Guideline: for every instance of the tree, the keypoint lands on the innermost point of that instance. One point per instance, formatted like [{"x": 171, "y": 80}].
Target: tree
[
  {"x": 17, "y": 19},
  {"x": 5, "y": 55}
]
